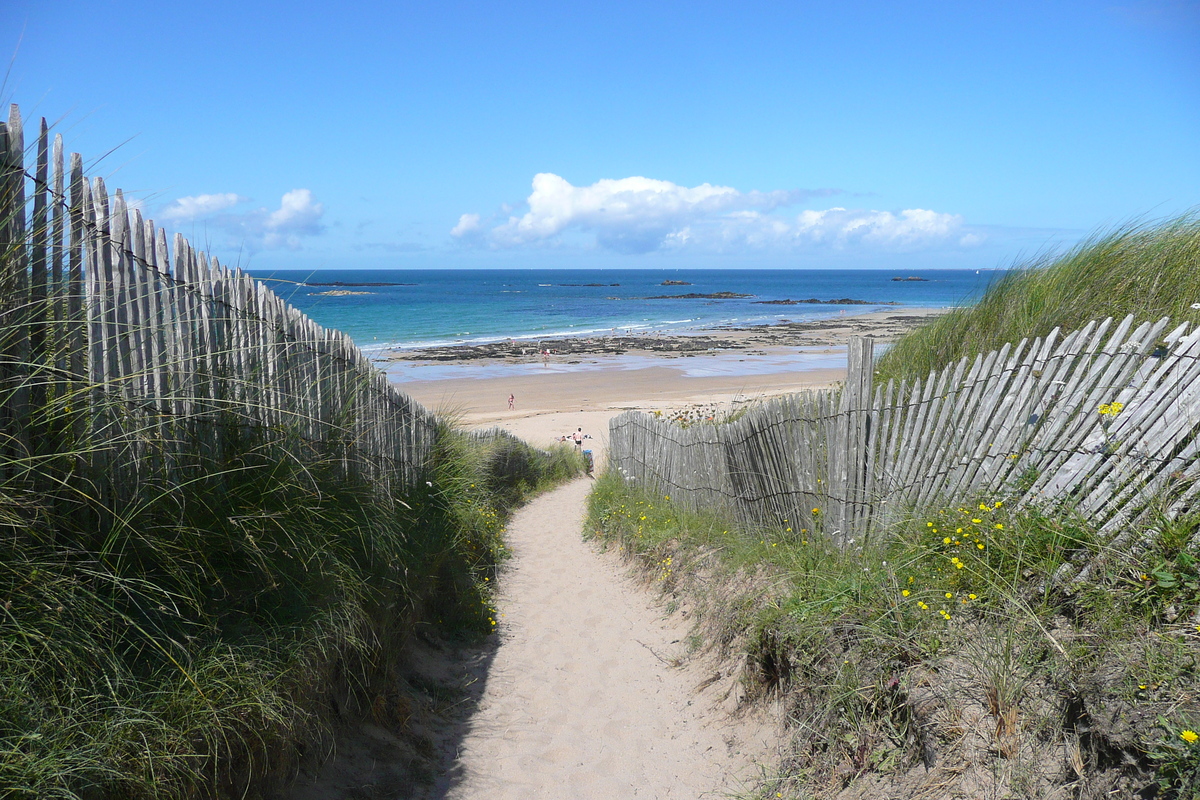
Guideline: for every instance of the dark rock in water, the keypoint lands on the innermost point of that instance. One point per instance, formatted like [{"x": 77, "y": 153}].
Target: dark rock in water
[
  {"x": 844, "y": 301},
  {"x": 911, "y": 278},
  {"x": 675, "y": 283},
  {"x": 695, "y": 296},
  {"x": 348, "y": 283}
]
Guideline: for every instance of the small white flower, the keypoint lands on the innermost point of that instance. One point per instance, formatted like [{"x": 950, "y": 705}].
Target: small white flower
[
  {"x": 429, "y": 484},
  {"x": 1196, "y": 305}
]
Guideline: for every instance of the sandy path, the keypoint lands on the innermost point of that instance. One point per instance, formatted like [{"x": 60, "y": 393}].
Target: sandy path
[{"x": 579, "y": 702}]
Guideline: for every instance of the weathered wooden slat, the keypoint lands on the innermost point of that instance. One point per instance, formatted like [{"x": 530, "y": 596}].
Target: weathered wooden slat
[
  {"x": 58, "y": 311},
  {"x": 39, "y": 246},
  {"x": 123, "y": 346},
  {"x": 76, "y": 319},
  {"x": 14, "y": 290},
  {"x": 881, "y": 420}
]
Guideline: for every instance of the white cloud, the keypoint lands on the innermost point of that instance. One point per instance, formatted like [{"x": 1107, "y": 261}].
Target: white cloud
[
  {"x": 298, "y": 216},
  {"x": 633, "y": 215},
  {"x": 468, "y": 225},
  {"x": 639, "y": 215},
  {"x": 201, "y": 205},
  {"x": 842, "y": 227}
]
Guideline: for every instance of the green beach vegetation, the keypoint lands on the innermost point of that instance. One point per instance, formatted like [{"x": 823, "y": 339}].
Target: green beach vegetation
[
  {"x": 944, "y": 643},
  {"x": 1150, "y": 270},
  {"x": 209, "y": 637}
]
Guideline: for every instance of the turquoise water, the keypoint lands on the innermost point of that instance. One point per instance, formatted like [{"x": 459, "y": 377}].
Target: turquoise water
[{"x": 439, "y": 307}]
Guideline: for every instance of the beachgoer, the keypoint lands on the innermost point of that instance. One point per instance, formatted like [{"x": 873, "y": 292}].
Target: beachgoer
[
  {"x": 577, "y": 437},
  {"x": 512, "y": 402}
]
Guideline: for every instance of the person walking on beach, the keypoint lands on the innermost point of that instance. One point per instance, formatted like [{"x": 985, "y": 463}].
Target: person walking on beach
[
  {"x": 577, "y": 437},
  {"x": 512, "y": 402}
]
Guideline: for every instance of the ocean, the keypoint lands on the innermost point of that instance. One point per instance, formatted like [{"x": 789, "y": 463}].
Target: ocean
[{"x": 424, "y": 308}]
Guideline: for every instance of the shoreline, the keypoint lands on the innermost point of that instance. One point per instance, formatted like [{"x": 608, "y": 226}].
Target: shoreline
[
  {"x": 885, "y": 325},
  {"x": 586, "y": 387}
]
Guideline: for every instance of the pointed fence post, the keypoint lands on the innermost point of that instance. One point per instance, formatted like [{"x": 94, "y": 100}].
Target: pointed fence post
[{"x": 848, "y": 450}]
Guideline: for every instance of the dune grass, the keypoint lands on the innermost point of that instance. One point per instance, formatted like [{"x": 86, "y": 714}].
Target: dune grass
[
  {"x": 208, "y": 637},
  {"x": 1150, "y": 270},
  {"x": 942, "y": 645}
]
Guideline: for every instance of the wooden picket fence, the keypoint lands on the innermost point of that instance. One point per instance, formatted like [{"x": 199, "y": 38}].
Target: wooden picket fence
[
  {"x": 1103, "y": 420},
  {"x": 148, "y": 359}
]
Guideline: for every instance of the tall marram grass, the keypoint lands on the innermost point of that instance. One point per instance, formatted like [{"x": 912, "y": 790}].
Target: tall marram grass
[
  {"x": 1150, "y": 270},
  {"x": 205, "y": 638}
]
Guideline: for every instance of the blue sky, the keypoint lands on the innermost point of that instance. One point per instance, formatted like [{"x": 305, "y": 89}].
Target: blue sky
[{"x": 884, "y": 135}]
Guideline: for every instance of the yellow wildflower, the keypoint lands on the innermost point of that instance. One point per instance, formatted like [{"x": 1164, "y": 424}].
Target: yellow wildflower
[{"x": 1189, "y": 736}]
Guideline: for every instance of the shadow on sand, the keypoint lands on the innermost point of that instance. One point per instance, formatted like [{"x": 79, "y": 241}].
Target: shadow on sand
[{"x": 414, "y": 755}]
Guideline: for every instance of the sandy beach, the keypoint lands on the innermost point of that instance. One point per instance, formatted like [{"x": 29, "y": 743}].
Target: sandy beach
[{"x": 583, "y": 383}]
